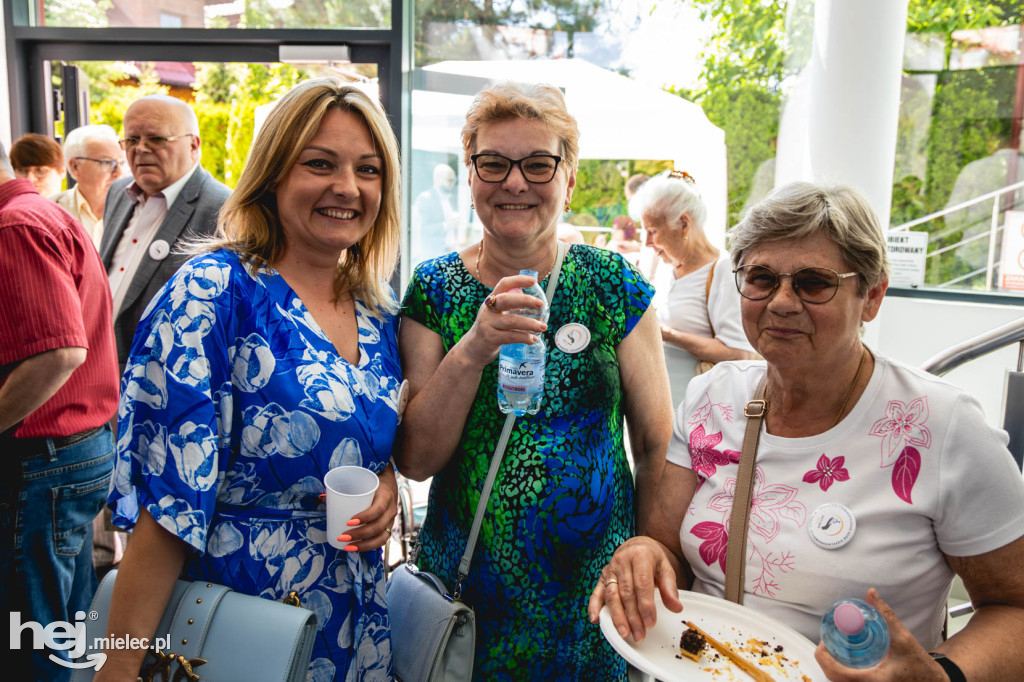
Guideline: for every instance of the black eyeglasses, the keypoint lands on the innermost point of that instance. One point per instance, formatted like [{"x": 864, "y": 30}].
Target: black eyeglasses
[
  {"x": 812, "y": 285},
  {"x": 154, "y": 142},
  {"x": 108, "y": 165},
  {"x": 537, "y": 168}
]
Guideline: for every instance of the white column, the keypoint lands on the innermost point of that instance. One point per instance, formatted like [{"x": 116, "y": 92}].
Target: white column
[
  {"x": 839, "y": 124},
  {"x": 5, "y": 94}
]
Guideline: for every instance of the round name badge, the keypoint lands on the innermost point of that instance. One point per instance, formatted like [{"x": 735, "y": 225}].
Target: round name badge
[
  {"x": 159, "y": 249},
  {"x": 403, "y": 399},
  {"x": 831, "y": 525},
  {"x": 572, "y": 338}
]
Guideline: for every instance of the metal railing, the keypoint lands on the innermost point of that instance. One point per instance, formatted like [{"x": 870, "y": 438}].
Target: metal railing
[
  {"x": 983, "y": 344},
  {"x": 1013, "y": 387},
  {"x": 994, "y": 229},
  {"x": 1013, "y": 401}
]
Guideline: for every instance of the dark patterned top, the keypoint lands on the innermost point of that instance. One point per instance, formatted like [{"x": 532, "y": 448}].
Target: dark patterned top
[{"x": 563, "y": 498}]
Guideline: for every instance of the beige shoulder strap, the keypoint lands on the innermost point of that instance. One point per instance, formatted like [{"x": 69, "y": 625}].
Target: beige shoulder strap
[
  {"x": 707, "y": 297},
  {"x": 735, "y": 557}
]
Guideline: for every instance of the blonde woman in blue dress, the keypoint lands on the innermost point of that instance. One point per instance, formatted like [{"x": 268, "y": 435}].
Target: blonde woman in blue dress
[{"x": 269, "y": 359}]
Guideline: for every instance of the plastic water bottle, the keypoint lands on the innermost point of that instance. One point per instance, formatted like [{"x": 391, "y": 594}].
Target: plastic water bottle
[
  {"x": 521, "y": 365},
  {"x": 855, "y": 633}
]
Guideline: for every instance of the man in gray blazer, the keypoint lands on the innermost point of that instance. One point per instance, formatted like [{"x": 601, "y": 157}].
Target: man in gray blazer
[{"x": 170, "y": 198}]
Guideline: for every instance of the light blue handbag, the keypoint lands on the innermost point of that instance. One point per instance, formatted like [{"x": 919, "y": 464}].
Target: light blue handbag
[
  {"x": 212, "y": 633},
  {"x": 433, "y": 633}
]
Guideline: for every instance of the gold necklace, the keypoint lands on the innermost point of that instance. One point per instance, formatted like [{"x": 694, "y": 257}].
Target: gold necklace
[
  {"x": 480, "y": 252},
  {"x": 853, "y": 384}
]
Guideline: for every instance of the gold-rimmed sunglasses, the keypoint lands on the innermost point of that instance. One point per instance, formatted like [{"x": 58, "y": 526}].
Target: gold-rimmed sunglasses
[{"x": 812, "y": 285}]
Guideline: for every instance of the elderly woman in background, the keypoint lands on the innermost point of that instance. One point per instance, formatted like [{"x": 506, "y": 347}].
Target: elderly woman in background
[
  {"x": 904, "y": 455},
  {"x": 699, "y": 310},
  {"x": 40, "y": 159},
  {"x": 273, "y": 355},
  {"x": 564, "y": 494}
]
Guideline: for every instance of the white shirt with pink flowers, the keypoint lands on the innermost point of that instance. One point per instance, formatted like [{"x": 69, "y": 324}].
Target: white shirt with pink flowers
[{"x": 914, "y": 464}]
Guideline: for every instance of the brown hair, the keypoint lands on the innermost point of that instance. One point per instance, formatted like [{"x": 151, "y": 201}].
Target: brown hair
[{"x": 33, "y": 149}]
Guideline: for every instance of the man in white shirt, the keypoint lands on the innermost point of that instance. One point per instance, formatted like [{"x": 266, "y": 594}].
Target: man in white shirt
[
  {"x": 94, "y": 160},
  {"x": 171, "y": 198}
]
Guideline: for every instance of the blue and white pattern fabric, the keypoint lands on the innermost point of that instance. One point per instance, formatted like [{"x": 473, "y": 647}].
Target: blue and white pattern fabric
[{"x": 234, "y": 405}]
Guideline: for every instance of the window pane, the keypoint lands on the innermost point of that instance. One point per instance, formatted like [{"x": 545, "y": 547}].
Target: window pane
[
  {"x": 609, "y": 60},
  {"x": 957, "y": 141},
  {"x": 330, "y": 14},
  {"x": 230, "y": 99}
]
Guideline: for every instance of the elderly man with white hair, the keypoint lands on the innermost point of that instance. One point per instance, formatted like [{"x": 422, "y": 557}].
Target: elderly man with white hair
[{"x": 94, "y": 159}]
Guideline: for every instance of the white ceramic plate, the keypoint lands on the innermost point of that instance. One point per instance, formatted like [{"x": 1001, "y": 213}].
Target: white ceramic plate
[{"x": 658, "y": 654}]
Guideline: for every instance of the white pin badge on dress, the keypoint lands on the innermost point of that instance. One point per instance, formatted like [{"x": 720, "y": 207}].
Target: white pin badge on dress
[
  {"x": 831, "y": 525},
  {"x": 403, "y": 399},
  {"x": 572, "y": 338}
]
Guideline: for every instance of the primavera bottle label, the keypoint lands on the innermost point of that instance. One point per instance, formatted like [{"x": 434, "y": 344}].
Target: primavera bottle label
[{"x": 520, "y": 375}]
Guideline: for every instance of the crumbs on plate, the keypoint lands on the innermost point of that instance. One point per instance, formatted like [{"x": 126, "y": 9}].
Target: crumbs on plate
[{"x": 758, "y": 651}]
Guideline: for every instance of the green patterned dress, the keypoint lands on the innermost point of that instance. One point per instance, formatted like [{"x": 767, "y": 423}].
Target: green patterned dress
[{"x": 563, "y": 498}]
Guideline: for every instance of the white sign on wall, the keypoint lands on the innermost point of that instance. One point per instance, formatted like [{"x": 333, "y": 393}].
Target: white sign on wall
[
  {"x": 1011, "y": 269},
  {"x": 907, "y": 252}
]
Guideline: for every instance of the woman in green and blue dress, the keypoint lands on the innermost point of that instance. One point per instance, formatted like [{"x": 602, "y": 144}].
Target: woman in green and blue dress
[{"x": 564, "y": 494}]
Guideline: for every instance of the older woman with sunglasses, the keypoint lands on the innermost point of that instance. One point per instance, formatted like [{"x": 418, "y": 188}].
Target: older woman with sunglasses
[
  {"x": 903, "y": 459},
  {"x": 563, "y": 499}
]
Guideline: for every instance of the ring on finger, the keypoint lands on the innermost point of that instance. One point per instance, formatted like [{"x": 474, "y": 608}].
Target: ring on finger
[
  {"x": 610, "y": 581},
  {"x": 388, "y": 531},
  {"x": 491, "y": 301}
]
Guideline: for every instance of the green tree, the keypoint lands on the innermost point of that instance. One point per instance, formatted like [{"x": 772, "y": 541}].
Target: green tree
[
  {"x": 744, "y": 66},
  {"x": 450, "y": 29},
  {"x": 77, "y": 13},
  {"x": 969, "y": 121}
]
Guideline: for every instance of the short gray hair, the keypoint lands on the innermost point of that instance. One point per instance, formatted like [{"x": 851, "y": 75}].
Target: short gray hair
[
  {"x": 74, "y": 143},
  {"x": 802, "y": 209},
  {"x": 668, "y": 196}
]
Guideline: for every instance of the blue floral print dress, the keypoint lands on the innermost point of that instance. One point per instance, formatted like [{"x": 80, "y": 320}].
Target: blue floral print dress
[{"x": 234, "y": 405}]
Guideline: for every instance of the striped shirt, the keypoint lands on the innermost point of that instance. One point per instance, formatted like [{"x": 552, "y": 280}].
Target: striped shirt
[{"x": 54, "y": 294}]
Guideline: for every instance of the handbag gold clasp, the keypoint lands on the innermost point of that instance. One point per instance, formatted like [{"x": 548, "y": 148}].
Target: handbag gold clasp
[
  {"x": 292, "y": 599},
  {"x": 755, "y": 409}
]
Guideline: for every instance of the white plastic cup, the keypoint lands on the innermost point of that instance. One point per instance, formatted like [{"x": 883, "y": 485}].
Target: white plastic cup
[{"x": 349, "y": 491}]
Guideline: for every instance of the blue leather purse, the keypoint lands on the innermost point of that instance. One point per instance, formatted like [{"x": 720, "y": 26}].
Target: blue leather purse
[{"x": 213, "y": 633}]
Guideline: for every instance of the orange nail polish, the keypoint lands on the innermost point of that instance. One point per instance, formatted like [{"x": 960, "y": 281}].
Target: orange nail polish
[
  {"x": 353, "y": 522},
  {"x": 351, "y": 548},
  {"x": 345, "y": 538}
]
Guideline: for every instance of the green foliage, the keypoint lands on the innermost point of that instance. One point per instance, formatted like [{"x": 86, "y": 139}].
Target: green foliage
[
  {"x": 946, "y": 16},
  {"x": 450, "y": 29},
  {"x": 77, "y": 13},
  {"x": 749, "y": 115},
  {"x": 969, "y": 121},
  {"x": 744, "y": 66},
  {"x": 599, "y": 190},
  {"x": 747, "y": 46},
  {"x": 225, "y": 98}
]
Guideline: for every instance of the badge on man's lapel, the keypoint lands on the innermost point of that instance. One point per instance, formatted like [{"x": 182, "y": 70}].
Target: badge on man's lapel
[{"x": 159, "y": 249}]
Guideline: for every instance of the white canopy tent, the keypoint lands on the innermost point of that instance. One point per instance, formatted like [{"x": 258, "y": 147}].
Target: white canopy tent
[{"x": 619, "y": 119}]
